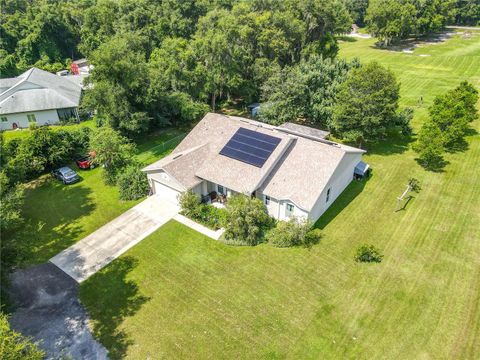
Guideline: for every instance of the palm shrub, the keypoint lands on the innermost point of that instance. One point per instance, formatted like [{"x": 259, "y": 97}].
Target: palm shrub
[
  {"x": 368, "y": 253},
  {"x": 246, "y": 221},
  {"x": 189, "y": 204},
  {"x": 132, "y": 183}
]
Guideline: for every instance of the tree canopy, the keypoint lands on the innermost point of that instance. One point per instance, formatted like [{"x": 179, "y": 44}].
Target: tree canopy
[
  {"x": 394, "y": 20},
  {"x": 367, "y": 104},
  {"x": 450, "y": 117}
]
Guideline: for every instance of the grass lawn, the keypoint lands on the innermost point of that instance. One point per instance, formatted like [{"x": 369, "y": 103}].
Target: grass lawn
[
  {"x": 57, "y": 216},
  {"x": 178, "y": 294}
]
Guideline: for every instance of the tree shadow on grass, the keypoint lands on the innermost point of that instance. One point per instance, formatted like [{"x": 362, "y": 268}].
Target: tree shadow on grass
[
  {"x": 405, "y": 203},
  {"x": 395, "y": 144},
  {"x": 345, "y": 198},
  {"x": 110, "y": 298},
  {"x": 461, "y": 145},
  {"x": 436, "y": 165}
]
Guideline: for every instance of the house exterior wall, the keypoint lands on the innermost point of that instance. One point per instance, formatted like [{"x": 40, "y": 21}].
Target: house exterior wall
[
  {"x": 297, "y": 212},
  {"x": 165, "y": 179},
  {"x": 340, "y": 179},
  {"x": 42, "y": 118},
  {"x": 198, "y": 190},
  {"x": 277, "y": 208}
]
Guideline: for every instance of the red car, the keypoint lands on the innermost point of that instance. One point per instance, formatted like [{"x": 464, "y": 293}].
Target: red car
[{"x": 84, "y": 163}]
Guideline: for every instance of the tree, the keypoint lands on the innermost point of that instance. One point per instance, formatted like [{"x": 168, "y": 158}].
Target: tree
[
  {"x": 11, "y": 201},
  {"x": 120, "y": 83},
  {"x": 132, "y": 183},
  {"x": 14, "y": 346},
  {"x": 246, "y": 220},
  {"x": 366, "y": 104},
  {"x": 429, "y": 146},
  {"x": 304, "y": 91},
  {"x": 357, "y": 10},
  {"x": 390, "y": 20},
  {"x": 112, "y": 150},
  {"x": 467, "y": 12},
  {"x": 454, "y": 111}
]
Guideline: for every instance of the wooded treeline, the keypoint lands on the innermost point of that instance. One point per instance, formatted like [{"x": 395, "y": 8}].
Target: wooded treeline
[
  {"x": 164, "y": 61},
  {"x": 168, "y": 62}
]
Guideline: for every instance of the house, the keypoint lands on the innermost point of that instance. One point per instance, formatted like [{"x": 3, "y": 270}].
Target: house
[
  {"x": 37, "y": 96},
  {"x": 291, "y": 168}
]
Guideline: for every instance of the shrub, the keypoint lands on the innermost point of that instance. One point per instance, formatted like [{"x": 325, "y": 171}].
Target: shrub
[
  {"x": 312, "y": 237},
  {"x": 368, "y": 253},
  {"x": 113, "y": 152},
  {"x": 132, "y": 183},
  {"x": 32, "y": 125},
  {"x": 294, "y": 232},
  {"x": 210, "y": 216},
  {"x": 207, "y": 215},
  {"x": 246, "y": 221},
  {"x": 189, "y": 204},
  {"x": 14, "y": 346}
]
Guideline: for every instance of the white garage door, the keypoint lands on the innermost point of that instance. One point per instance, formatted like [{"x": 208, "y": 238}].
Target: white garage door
[{"x": 166, "y": 192}]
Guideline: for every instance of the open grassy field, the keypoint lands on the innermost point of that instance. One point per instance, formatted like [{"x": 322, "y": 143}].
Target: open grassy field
[{"x": 178, "y": 294}]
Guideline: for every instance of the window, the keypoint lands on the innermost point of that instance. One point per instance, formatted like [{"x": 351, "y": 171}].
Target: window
[
  {"x": 31, "y": 118},
  {"x": 267, "y": 200},
  {"x": 288, "y": 209},
  {"x": 221, "y": 189},
  {"x": 328, "y": 195},
  {"x": 4, "y": 119}
]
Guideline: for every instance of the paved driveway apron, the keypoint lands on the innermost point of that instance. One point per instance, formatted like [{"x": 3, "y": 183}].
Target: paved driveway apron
[{"x": 110, "y": 241}]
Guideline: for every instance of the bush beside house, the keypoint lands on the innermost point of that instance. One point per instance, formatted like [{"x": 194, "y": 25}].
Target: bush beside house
[
  {"x": 191, "y": 207},
  {"x": 246, "y": 221},
  {"x": 294, "y": 232}
]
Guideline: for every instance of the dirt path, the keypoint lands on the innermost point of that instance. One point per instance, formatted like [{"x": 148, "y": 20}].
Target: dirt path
[{"x": 49, "y": 311}]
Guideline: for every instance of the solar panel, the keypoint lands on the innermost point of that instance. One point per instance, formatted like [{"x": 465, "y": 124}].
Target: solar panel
[{"x": 250, "y": 147}]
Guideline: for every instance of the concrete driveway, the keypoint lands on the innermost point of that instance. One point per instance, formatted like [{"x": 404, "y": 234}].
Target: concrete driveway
[{"x": 110, "y": 241}]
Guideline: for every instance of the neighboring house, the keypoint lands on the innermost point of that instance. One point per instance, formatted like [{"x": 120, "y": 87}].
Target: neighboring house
[
  {"x": 37, "y": 96},
  {"x": 294, "y": 172}
]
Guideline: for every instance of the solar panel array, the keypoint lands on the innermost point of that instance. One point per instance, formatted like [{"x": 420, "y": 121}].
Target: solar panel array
[{"x": 251, "y": 147}]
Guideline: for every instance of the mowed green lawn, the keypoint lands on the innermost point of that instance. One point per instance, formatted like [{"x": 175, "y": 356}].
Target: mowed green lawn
[
  {"x": 58, "y": 215},
  {"x": 178, "y": 294}
]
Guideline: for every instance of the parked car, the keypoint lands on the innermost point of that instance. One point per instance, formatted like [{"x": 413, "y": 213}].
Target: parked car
[
  {"x": 84, "y": 163},
  {"x": 67, "y": 175}
]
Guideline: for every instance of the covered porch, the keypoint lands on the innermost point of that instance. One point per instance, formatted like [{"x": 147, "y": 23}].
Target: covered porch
[{"x": 215, "y": 194}]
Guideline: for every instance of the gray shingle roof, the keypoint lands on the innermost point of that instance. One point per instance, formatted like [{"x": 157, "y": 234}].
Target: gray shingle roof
[
  {"x": 303, "y": 130},
  {"x": 297, "y": 170},
  {"x": 36, "y": 90}
]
